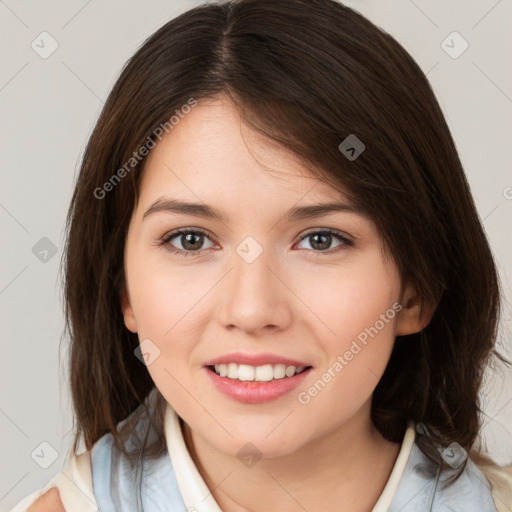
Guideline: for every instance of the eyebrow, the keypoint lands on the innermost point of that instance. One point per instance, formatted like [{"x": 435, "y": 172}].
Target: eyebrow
[{"x": 203, "y": 210}]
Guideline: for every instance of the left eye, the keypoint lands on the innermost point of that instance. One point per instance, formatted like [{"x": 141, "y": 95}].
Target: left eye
[{"x": 321, "y": 240}]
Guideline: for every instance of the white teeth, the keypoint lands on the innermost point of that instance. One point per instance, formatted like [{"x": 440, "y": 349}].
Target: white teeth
[
  {"x": 232, "y": 371},
  {"x": 245, "y": 372},
  {"x": 279, "y": 371},
  {"x": 290, "y": 371},
  {"x": 263, "y": 373}
]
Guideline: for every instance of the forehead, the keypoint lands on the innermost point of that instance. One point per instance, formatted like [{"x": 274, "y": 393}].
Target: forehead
[{"x": 212, "y": 153}]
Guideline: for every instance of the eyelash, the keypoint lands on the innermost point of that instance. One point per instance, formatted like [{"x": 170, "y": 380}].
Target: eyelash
[{"x": 167, "y": 238}]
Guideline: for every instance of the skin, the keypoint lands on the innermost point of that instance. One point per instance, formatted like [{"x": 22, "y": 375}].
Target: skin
[
  {"x": 50, "y": 501},
  {"x": 294, "y": 300}
]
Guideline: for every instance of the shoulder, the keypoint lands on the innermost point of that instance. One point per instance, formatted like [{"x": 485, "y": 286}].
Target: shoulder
[
  {"x": 48, "y": 502},
  {"x": 425, "y": 484},
  {"x": 70, "y": 489},
  {"x": 500, "y": 479}
]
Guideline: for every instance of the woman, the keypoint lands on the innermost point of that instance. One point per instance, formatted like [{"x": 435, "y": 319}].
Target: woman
[{"x": 276, "y": 278}]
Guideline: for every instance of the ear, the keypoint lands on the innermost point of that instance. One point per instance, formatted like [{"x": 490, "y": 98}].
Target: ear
[
  {"x": 129, "y": 317},
  {"x": 414, "y": 315}
]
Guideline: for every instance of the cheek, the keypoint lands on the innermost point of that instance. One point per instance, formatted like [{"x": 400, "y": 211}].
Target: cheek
[
  {"x": 353, "y": 319},
  {"x": 166, "y": 303},
  {"x": 163, "y": 298},
  {"x": 347, "y": 300}
]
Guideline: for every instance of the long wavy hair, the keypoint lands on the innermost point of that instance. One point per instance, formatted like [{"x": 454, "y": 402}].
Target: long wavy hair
[{"x": 307, "y": 74}]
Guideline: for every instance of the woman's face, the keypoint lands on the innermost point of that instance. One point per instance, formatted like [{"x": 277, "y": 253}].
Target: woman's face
[{"x": 255, "y": 280}]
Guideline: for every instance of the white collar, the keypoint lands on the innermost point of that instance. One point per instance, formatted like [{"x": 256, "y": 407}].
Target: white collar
[
  {"x": 196, "y": 494},
  {"x": 385, "y": 499},
  {"x": 194, "y": 491}
]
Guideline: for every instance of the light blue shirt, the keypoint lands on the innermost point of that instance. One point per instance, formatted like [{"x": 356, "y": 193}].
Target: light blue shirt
[{"x": 115, "y": 487}]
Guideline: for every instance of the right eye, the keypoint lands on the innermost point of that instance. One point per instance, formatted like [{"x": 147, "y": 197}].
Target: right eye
[{"x": 190, "y": 240}]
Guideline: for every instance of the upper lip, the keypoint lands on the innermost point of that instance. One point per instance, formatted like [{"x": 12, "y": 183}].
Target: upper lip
[{"x": 255, "y": 359}]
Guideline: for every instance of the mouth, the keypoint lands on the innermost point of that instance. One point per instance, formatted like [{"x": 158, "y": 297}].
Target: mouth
[
  {"x": 248, "y": 384},
  {"x": 263, "y": 373},
  {"x": 256, "y": 378}
]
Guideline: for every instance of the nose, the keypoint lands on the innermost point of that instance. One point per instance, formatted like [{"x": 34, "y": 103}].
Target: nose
[{"x": 255, "y": 297}]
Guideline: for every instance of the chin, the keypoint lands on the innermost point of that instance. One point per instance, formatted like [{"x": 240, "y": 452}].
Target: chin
[{"x": 257, "y": 444}]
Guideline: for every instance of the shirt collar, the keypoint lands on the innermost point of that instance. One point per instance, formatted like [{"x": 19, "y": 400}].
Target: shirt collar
[
  {"x": 385, "y": 499},
  {"x": 195, "y": 492}
]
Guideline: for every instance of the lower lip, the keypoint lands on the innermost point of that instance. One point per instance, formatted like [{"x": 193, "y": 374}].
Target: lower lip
[{"x": 254, "y": 392}]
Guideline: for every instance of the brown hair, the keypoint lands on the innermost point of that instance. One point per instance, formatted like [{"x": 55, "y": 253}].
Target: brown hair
[{"x": 306, "y": 73}]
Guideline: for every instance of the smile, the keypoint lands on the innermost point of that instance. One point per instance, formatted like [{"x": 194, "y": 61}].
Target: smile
[
  {"x": 265, "y": 373},
  {"x": 252, "y": 384}
]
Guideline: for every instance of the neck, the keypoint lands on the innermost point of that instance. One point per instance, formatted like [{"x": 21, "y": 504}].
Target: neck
[{"x": 346, "y": 469}]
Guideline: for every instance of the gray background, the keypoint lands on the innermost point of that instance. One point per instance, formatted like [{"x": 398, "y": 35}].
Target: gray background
[{"x": 48, "y": 108}]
